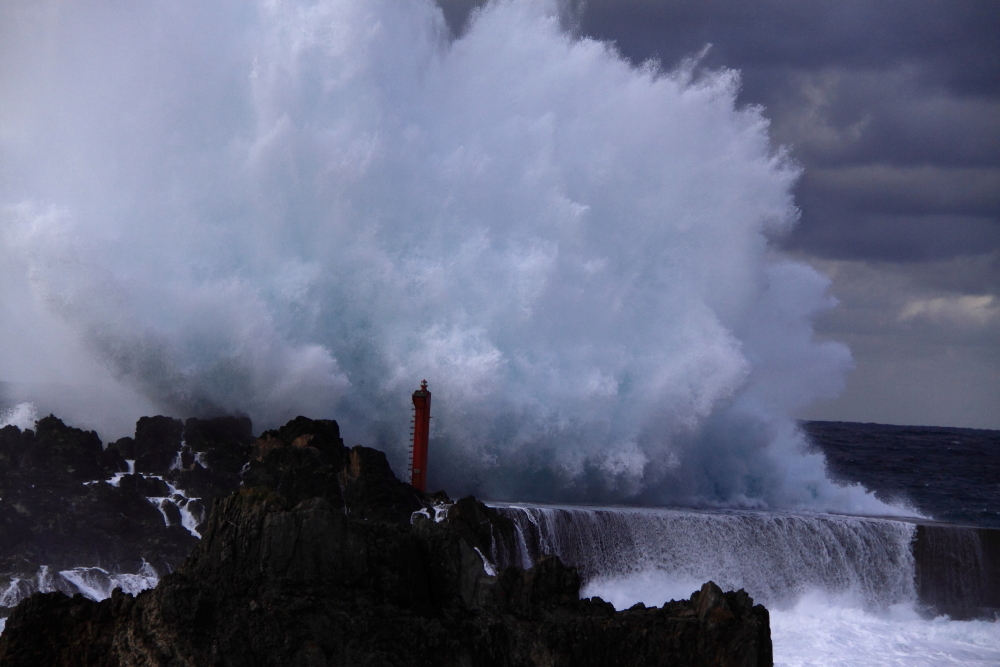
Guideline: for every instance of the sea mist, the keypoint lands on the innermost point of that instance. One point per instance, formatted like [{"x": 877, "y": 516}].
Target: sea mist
[{"x": 308, "y": 207}]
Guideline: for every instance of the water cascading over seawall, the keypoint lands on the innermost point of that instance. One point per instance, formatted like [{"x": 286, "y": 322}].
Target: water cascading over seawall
[
  {"x": 958, "y": 570},
  {"x": 637, "y": 554}
]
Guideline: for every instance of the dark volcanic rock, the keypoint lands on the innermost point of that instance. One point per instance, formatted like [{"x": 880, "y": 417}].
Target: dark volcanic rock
[
  {"x": 59, "y": 511},
  {"x": 224, "y": 441},
  {"x": 214, "y": 455},
  {"x": 958, "y": 571},
  {"x": 125, "y": 448},
  {"x": 55, "y": 449},
  {"x": 144, "y": 486},
  {"x": 220, "y": 434},
  {"x": 328, "y": 559},
  {"x": 157, "y": 442}
]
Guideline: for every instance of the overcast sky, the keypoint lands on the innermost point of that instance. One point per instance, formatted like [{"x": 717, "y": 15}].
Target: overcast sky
[{"x": 893, "y": 110}]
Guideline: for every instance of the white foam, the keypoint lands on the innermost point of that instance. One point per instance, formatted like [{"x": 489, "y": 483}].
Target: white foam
[
  {"x": 94, "y": 583},
  {"x": 48, "y": 581},
  {"x": 158, "y": 502},
  {"x": 441, "y": 511},
  {"x": 574, "y": 251},
  {"x": 191, "y": 510},
  {"x": 191, "y": 518},
  {"x": 97, "y": 583},
  {"x": 487, "y": 565},
  {"x": 17, "y": 590},
  {"x": 822, "y": 633}
]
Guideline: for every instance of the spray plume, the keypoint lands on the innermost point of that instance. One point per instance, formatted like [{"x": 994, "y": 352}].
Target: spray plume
[{"x": 307, "y": 207}]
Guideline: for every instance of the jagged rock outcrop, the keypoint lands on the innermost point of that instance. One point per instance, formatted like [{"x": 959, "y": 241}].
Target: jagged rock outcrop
[
  {"x": 157, "y": 442},
  {"x": 72, "y": 519},
  {"x": 325, "y": 558},
  {"x": 212, "y": 457},
  {"x": 58, "y": 511}
]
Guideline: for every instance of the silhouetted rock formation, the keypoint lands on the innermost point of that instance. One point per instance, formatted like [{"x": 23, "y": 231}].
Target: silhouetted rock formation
[
  {"x": 157, "y": 443},
  {"x": 57, "y": 510},
  {"x": 325, "y": 558},
  {"x": 72, "y": 519},
  {"x": 213, "y": 456}
]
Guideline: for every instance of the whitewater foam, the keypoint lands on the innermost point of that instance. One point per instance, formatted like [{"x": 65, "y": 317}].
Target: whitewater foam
[
  {"x": 822, "y": 632},
  {"x": 305, "y": 208},
  {"x": 191, "y": 511},
  {"x": 94, "y": 583}
]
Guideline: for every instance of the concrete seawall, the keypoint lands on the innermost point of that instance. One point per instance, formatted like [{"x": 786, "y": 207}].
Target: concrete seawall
[{"x": 958, "y": 570}]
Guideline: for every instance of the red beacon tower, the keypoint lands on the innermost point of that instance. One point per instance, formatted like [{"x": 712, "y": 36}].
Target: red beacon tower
[{"x": 421, "y": 431}]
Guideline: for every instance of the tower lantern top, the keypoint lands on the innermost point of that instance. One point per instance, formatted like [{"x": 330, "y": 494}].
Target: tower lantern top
[{"x": 422, "y": 392}]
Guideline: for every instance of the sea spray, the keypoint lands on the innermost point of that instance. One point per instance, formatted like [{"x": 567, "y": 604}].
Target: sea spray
[
  {"x": 307, "y": 207},
  {"x": 23, "y": 415}
]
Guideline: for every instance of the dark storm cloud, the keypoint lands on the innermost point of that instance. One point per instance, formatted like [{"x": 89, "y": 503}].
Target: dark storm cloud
[
  {"x": 920, "y": 190},
  {"x": 957, "y": 41},
  {"x": 898, "y": 238},
  {"x": 834, "y": 115},
  {"x": 893, "y": 108},
  {"x": 875, "y": 211}
]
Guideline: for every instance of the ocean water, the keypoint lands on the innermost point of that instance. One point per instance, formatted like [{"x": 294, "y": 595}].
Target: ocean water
[
  {"x": 951, "y": 474},
  {"x": 840, "y": 589}
]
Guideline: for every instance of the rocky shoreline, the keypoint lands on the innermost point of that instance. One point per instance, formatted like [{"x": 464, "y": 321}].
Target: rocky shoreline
[
  {"x": 78, "y": 517},
  {"x": 323, "y": 557}
]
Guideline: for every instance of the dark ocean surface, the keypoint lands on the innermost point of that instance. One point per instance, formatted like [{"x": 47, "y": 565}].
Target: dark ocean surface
[{"x": 949, "y": 474}]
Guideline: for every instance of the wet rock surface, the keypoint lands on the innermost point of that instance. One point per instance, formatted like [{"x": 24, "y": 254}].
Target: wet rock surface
[
  {"x": 213, "y": 456},
  {"x": 157, "y": 442},
  {"x": 325, "y": 558},
  {"x": 73, "y": 519},
  {"x": 59, "y": 511}
]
